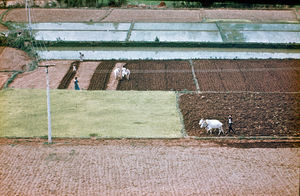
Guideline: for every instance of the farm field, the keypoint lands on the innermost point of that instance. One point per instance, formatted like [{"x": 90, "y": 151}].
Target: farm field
[
  {"x": 37, "y": 79},
  {"x": 211, "y": 75},
  {"x": 12, "y": 59},
  {"x": 143, "y": 138},
  {"x": 101, "y": 75},
  {"x": 145, "y": 167},
  {"x": 158, "y": 75},
  {"x": 254, "y": 114},
  {"x": 248, "y": 75},
  {"x": 83, "y": 114},
  {"x": 154, "y": 15}
]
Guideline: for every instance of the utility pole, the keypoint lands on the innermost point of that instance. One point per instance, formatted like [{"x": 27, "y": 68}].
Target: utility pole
[
  {"x": 29, "y": 16},
  {"x": 48, "y": 102}
]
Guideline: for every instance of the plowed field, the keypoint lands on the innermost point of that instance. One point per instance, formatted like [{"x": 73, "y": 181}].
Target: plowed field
[
  {"x": 158, "y": 75},
  {"x": 145, "y": 167},
  {"x": 248, "y": 75},
  {"x": 101, "y": 75},
  {"x": 254, "y": 114}
]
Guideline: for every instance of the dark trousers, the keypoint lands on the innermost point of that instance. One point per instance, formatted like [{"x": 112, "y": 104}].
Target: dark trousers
[{"x": 230, "y": 128}]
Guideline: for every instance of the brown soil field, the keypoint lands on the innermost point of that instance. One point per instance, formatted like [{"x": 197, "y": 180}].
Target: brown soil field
[
  {"x": 128, "y": 15},
  {"x": 13, "y": 59},
  {"x": 37, "y": 78},
  {"x": 101, "y": 75},
  {"x": 254, "y": 114},
  {"x": 145, "y": 167},
  {"x": 3, "y": 28},
  {"x": 251, "y": 15},
  {"x": 84, "y": 74},
  {"x": 152, "y": 15},
  {"x": 248, "y": 75},
  {"x": 158, "y": 75},
  {"x": 4, "y": 76},
  {"x": 56, "y": 15},
  {"x": 66, "y": 81}
]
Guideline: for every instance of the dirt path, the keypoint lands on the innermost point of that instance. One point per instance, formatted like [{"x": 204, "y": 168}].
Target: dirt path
[
  {"x": 113, "y": 82},
  {"x": 145, "y": 167},
  {"x": 84, "y": 74},
  {"x": 37, "y": 78},
  {"x": 13, "y": 59}
]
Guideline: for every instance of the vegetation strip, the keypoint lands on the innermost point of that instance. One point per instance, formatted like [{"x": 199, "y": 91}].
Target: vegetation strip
[
  {"x": 11, "y": 79},
  {"x": 194, "y": 76},
  {"x": 171, "y": 44}
]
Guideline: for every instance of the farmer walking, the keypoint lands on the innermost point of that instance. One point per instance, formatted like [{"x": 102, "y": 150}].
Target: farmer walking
[
  {"x": 230, "y": 122},
  {"x": 76, "y": 84}
]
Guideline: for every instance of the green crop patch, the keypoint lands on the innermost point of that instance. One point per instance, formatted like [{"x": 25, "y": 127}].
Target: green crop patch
[{"x": 105, "y": 114}]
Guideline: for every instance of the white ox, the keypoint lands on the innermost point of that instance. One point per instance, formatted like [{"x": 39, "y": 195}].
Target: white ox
[
  {"x": 125, "y": 73},
  {"x": 210, "y": 124},
  {"x": 117, "y": 73}
]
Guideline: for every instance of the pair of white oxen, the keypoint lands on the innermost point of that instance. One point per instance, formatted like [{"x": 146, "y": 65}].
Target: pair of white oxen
[
  {"x": 124, "y": 73},
  {"x": 210, "y": 124}
]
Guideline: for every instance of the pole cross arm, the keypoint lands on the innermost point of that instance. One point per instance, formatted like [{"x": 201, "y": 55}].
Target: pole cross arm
[{"x": 47, "y": 65}]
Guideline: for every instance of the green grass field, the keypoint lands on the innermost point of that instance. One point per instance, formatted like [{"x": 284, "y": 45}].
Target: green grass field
[{"x": 115, "y": 114}]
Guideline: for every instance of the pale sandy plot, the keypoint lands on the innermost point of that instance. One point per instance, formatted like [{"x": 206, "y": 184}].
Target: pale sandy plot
[
  {"x": 37, "y": 78},
  {"x": 145, "y": 167},
  {"x": 84, "y": 74}
]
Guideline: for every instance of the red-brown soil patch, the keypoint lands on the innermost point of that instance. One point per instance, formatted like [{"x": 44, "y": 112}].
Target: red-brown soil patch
[
  {"x": 251, "y": 15},
  {"x": 254, "y": 114},
  {"x": 142, "y": 15},
  {"x": 84, "y": 74},
  {"x": 65, "y": 82},
  {"x": 4, "y": 76},
  {"x": 158, "y": 75},
  {"x": 56, "y": 15},
  {"x": 144, "y": 167},
  {"x": 13, "y": 59},
  {"x": 37, "y": 78},
  {"x": 248, "y": 75},
  {"x": 128, "y": 15},
  {"x": 3, "y": 28},
  {"x": 101, "y": 75}
]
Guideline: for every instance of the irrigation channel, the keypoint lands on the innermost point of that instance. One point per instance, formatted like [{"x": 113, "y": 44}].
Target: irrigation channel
[{"x": 153, "y": 53}]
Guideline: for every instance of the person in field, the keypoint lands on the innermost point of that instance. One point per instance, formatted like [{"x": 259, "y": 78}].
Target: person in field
[
  {"x": 76, "y": 85},
  {"x": 230, "y": 122},
  {"x": 81, "y": 55}
]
